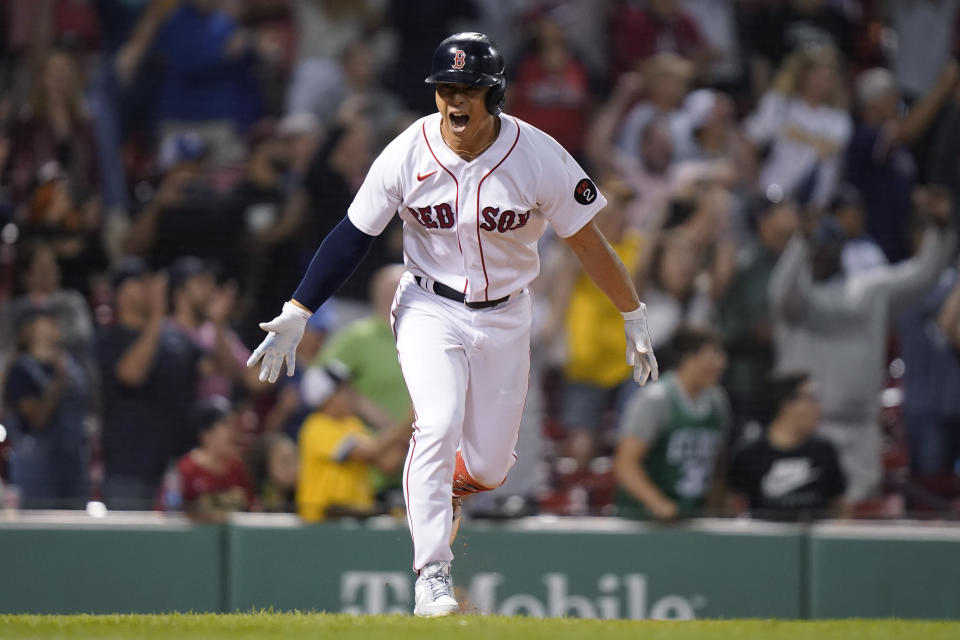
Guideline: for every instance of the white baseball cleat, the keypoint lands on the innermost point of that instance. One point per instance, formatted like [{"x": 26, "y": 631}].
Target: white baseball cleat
[{"x": 434, "y": 591}]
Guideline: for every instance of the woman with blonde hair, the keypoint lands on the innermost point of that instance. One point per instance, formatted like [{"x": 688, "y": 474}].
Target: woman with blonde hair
[
  {"x": 53, "y": 126},
  {"x": 804, "y": 121}
]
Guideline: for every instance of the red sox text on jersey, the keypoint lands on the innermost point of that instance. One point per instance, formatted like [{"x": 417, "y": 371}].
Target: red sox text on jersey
[{"x": 474, "y": 226}]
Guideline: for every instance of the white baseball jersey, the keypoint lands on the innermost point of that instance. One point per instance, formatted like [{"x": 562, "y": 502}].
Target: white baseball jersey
[{"x": 474, "y": 226}]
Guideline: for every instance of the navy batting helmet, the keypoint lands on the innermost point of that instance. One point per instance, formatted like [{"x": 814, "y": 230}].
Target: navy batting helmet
[{"x": 472, "y": 59}]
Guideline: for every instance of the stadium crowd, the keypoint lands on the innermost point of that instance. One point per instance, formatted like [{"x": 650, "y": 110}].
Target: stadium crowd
[{"x": 782, "y": 178}]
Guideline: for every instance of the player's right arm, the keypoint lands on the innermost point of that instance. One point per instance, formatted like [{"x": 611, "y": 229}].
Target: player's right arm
[{"x": 340, "y": 253}]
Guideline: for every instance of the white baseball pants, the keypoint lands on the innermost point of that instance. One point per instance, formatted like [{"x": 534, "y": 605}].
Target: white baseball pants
[{"x": 467, "y": 372}]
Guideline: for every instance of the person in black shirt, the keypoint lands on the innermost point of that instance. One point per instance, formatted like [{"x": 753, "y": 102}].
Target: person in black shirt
[
  {"x": 790, "y": 474},
  {"x": 263, "y": 217},
  {"x": 332, "y": 179},
  {"x": 148, "y": 373},
  {"x": 185, "y": 217},
  {"x": 47, "y": 393}
]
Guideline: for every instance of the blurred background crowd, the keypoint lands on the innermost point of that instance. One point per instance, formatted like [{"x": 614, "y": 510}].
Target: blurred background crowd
[{"x": 782, "y": 179}]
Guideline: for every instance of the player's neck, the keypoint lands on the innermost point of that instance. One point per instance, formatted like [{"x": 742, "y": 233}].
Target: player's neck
[{"x": 471, "y": 144}]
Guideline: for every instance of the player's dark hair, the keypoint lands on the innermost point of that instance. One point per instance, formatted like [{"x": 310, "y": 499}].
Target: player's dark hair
[{"x": 688, "y": 341}]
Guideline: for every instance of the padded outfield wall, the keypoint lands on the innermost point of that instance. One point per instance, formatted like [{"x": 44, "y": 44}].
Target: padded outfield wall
[{"x": 606, "y": 568}]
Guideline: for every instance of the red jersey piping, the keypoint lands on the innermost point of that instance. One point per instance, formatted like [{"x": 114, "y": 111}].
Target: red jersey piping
[
  {"x": 486, "y": 289},
  {"x": 456, "y": 204}
]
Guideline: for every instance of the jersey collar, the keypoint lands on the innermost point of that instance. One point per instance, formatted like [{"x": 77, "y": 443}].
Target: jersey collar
[{"x": 491, "y": 156}]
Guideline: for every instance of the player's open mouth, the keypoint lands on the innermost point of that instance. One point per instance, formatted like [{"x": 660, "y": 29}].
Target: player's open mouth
[{"x": 458, "y": 122}]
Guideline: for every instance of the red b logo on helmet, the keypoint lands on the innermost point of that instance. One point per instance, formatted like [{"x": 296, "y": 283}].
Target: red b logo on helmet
[{"x": 459, "y": 57}]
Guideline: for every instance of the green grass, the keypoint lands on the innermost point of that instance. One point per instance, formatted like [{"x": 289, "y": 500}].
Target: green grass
[{"x": 339, "y": 626}]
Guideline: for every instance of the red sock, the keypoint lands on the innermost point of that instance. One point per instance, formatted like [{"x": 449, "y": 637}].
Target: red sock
[{"x": 463, "y": 483}]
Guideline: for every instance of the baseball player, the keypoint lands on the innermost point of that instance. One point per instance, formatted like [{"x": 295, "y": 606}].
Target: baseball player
[{"x": 475, "y": 189}]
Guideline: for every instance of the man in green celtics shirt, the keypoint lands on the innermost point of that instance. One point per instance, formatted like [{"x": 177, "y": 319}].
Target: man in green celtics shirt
[{"x": 673, "y": 433}]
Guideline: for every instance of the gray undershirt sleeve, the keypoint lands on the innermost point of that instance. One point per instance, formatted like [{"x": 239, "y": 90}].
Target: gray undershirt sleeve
[{"x": 646, "y": 413}]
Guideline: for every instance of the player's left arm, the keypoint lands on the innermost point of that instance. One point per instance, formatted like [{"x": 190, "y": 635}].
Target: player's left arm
[
  {"x": 604, "y": 266},
  {"x": 606, "y": 269}
]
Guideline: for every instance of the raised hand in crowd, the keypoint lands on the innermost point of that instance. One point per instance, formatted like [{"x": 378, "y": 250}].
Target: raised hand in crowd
[
  {"x": 600, "y": 137},
  {"x": 935, "y": 203},
  {"x": 129, "y": 56}
]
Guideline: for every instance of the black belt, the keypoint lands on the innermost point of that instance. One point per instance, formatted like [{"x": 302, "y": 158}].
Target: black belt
[{"x": 450, "y": 293}]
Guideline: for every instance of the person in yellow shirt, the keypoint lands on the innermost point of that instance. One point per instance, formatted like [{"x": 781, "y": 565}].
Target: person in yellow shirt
[
  {"x": 596, "y": 378},
  {"x": 337, "y": 449}
]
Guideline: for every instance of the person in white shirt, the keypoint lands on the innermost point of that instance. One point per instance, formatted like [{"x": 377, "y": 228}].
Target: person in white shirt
[
  {"x": 804, "y": 121},
  {"x": 665, "y": 79}
]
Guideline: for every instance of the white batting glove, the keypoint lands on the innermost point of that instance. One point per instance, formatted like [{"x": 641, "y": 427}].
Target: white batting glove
[
  {"x": 639, "y": 349},
  {"x": 281, "y": 343}
]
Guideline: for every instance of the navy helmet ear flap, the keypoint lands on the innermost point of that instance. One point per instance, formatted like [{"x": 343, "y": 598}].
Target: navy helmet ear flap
[{"x": 496, "y": 96}]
